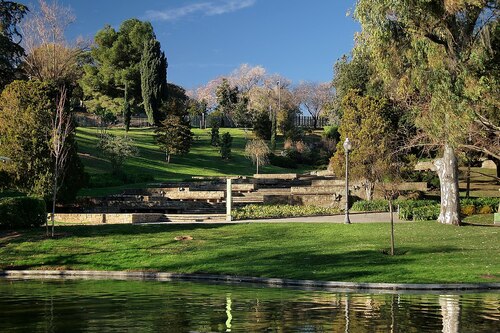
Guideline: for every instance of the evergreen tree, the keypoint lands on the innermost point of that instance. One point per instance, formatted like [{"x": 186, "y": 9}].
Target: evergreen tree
[
  {"x": 225, "y": 146},
  {"x": 153, "y": 79},
  {"x": 11, "y": 14},
  {"x": 174, "y": 136},
  {"x": 214, "y": 124}
]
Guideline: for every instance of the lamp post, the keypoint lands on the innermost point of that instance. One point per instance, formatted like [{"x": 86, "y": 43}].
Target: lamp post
[{"x": 347, "y": 149}]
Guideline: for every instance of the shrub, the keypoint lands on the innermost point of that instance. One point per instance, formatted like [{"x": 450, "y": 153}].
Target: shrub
[
  {"x": 485, "y": 210},
  {"x": 371, "y": 206},
  {"x": 485, "y": 205},
  {"x": 426, "y": 213},
  {"x": 407, "y": 207},
  {"x": 22, "y": 212},
  {"x": 282, "y": 161},
  {"x": 225, "y": 146},
  {"x": 278, "y": 211},
  {"x": 331, "y": 132},
  {"x": 468, "y": 210}
]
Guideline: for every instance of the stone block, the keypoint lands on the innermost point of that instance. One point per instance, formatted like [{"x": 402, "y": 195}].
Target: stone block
[{"x": 489, "y": 164}]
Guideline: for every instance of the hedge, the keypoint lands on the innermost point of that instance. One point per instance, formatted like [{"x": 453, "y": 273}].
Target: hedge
[
  {"x": 22, "y": 212},
  {"x": 280, "y": 211}
]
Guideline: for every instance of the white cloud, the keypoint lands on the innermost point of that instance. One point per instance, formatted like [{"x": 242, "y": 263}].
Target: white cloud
[{"x": 208, "y": 8}]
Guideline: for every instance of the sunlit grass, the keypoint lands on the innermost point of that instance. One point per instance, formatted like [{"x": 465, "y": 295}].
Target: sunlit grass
[{"x": 429, "y": 252}]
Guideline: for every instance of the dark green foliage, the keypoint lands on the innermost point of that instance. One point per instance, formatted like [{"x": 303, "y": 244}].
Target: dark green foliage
[
  {"x": 430, "y": 177},
  {"x": 280, "y": 211},
  {"x": 153, "y": 80},
  {"x": 282, "y": 161},
  {"x": 331, "y": 132},
  {"x": 215, "y": 138},
  {"x": 407, "y": 207},
  {"x": 227, "y": 98},
  {"x": 426, "y": 213},
  {"x": 174, "y": 136},
  {"x": 11, "y": 14},
  {"x": 262, "y": 126},
  {"x": 116, "y": 62},
  {"x": 22, "y": 212},
  {"x": 225, "y": 146},
  {"x": 370, "y": 206},
  {"x": 176, "y": 102},
  {"x": 26, "y": 112}
]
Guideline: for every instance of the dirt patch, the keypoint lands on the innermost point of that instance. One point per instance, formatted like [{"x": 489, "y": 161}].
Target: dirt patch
[
  {"x": 183, "y": 238},
  {"x": 489, "y": 276}
]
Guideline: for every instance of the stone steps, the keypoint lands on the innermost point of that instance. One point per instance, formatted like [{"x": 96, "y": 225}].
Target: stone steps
[{"x": 191, "y": 218}]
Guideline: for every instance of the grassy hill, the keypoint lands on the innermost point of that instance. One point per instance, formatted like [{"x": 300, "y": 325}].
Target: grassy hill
[{"x": 149, "y": 165}]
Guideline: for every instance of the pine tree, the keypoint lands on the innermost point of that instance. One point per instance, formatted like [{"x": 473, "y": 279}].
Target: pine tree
[{"x": 174, "y": 136}]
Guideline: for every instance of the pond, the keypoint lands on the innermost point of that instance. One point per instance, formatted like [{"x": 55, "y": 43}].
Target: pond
[{"x": 148, "y": 306}]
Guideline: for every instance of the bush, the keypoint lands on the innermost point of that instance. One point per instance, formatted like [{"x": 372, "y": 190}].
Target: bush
[
  {"x": 371, "y": 206},
  {"x": 282, "y": 161},
  {"x": 467, "y": 210},
  {"x": 481, "y": 205},
  {"x": 331, "y": 132},
  {"x": 22, "y": 212},
  {"x": 426, "y": 213},
  {"x": 407, "y": 207},
  {"x": 279, "y": 211}
]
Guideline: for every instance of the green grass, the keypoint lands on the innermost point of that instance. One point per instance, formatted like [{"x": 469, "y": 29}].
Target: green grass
[
  {"x": 429, "y": 252},
  {"x": 202, "y": 160}
]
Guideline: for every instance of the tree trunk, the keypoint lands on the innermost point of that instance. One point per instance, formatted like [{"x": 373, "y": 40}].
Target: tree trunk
[
  {"x": 447, "y": 170},
  {"x": 167, "y": 157},
  {"x": 54, "y": 195},
  {"x": 369, "y": 187},
  {"x": 392, "y": 226},
  {"x": 257, "y": 164}
]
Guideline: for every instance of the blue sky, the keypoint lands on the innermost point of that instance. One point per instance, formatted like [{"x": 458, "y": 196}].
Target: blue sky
[{"x": 203, "y": 39}]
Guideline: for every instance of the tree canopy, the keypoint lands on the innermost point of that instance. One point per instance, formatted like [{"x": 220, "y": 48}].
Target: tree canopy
[{"x": 11, "y": 14}]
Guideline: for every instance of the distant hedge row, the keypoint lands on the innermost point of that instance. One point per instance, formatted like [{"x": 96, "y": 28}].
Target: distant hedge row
[
  {"x": 22, "y": 212},
  {"x": 422, "y": 210}
]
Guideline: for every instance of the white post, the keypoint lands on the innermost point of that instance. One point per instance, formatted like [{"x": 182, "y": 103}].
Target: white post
[{"x": 229, "y": 200}]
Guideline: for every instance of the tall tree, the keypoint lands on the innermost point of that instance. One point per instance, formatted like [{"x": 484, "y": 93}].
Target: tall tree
[
  {"x": 153, "y": 79},
  {"x": 27, "y": 135},
  {"x": 423, "y": 50},
  {"x": 367, "y": 123},
  {"x": 116, "y": 58},
  {"x": 49, "y": 56},
  {"x": 315, "y": 97},
  {"x": 11, "y": 14}
]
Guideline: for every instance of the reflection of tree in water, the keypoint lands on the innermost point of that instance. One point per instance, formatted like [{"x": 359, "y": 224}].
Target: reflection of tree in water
[{"x": 78, "y": 306}]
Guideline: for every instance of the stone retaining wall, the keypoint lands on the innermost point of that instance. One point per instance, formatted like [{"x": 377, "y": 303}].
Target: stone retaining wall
[{"x": 107, "y": 218}]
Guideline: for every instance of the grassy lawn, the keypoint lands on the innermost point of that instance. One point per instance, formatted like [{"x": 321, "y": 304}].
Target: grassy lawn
[
  {"x": 428, "y": 251},
  {"x": 202, "y": 160}
]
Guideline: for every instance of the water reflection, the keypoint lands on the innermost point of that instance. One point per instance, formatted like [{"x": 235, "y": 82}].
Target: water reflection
[{"x": 116, "y": 306}]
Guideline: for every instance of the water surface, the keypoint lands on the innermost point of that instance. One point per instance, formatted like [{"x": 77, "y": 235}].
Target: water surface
[{"x": 147, "y": 306}]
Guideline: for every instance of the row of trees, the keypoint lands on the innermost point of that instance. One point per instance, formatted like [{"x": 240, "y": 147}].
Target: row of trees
[
  {"x": 248, "y": 96},
  {"x": 422, "y": 74}
]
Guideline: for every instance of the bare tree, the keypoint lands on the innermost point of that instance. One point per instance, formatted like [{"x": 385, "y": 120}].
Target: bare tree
[
  {"x": 48, "y": 54},
  {"x": 258, "y": 151},
  {"x": 61, "y": 130},
  {"x": 315, "y": 97}
]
